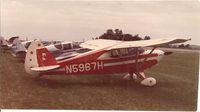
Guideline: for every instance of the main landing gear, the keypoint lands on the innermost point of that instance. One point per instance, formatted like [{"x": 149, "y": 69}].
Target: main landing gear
[
  {"x": 150, "y": 81},
  {"x": 141, "y": 78}
]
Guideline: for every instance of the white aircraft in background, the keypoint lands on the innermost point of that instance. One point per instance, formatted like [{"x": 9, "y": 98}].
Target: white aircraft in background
[
  {"x": 63, "y": 50},
  {"x": 60, "y": 50},
  {"x": 19, "y": 48},
  {"x": 4, "y": 44}
]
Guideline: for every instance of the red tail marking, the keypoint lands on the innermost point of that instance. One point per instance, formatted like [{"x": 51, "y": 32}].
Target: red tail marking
[{"x": 45, "y": 58}]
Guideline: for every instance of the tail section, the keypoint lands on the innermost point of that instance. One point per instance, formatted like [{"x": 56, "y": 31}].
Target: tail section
[
  {"x": 44, "y": 58},
  {"x": 18, "y": 50},
  {"x": 3, "y": 42},
  {"x": 38, "y": 56}
]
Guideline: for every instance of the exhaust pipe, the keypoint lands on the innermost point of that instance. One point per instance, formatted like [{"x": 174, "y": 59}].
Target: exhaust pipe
[{"x": 168, "y": 53}]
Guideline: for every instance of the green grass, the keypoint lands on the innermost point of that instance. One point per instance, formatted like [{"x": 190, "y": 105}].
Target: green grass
[{"x": 177, "y": 77}]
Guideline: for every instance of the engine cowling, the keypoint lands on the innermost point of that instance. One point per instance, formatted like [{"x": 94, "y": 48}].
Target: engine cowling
[{"x": 150, "y": 81}]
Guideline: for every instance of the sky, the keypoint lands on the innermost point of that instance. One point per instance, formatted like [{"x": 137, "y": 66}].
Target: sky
[{"x": 83, "y": 20}]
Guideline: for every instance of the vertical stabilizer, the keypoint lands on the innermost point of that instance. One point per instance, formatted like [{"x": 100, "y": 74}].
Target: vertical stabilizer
[{"x": 38, "y": 56}]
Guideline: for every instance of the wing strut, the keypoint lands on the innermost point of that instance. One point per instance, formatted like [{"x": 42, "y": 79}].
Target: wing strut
[
  {"x": 136, "y": 60},
  {"x": 138, "y": 66}
]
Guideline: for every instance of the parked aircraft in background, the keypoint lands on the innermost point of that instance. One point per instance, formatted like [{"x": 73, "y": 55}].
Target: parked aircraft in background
[
  {"x": 100, "y": 57},
  {"x": 63, "y": 50},
  {"x": 19, "y": 49},
  {"x": 60, "y": 50},
  {"x": 13, "y": 41},
  {"x": 3, "y": 42}
]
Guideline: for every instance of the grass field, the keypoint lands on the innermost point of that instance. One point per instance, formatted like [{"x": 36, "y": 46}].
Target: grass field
[{"x": 177, "y": 77}]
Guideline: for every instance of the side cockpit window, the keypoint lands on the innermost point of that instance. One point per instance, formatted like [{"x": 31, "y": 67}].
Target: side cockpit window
[
  {"x": 115, "y": 53},
  {"x": 126, "y": 52},
  {"x": 67, "y": 46}
]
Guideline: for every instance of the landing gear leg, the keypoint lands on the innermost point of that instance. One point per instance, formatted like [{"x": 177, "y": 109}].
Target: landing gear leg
[
  {"x": 150, "y": 81},
  {"x": 130, "y": 76}
]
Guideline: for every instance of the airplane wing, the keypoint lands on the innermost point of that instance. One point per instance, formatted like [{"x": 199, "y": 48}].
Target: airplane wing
[
  {"x": 115, "y": 44},
  {"x": 99, "y": 44},
  {"x": 45, "y": 68}
]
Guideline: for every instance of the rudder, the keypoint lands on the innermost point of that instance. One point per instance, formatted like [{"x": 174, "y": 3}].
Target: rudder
[{"x": 37, "y": 56}]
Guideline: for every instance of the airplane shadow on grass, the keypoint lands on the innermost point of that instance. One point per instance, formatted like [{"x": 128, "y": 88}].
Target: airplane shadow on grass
[{"x": 98, "y": 81}]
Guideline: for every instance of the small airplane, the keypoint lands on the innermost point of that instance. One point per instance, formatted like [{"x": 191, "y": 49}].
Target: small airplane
[
  {"x": 63, "y": 50},
  {"x": 19, "y": 48},
  {"x": 101, "y": 57},
  {"x": 60, "y": 46},
  {"x": 4, "y": 44},
  {"x": 13, "y": 42}
]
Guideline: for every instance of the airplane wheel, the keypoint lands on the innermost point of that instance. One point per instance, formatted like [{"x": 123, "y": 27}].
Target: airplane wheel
[{"x": 150, "y": 81}]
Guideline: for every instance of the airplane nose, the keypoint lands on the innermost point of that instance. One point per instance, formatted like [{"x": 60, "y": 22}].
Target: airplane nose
[{"x": 160, "y": 54}]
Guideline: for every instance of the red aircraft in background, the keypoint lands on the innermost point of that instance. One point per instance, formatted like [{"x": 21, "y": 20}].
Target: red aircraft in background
[{"x": 101, "y": 57}]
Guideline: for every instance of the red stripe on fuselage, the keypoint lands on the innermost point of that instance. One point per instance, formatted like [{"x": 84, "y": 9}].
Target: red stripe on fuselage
[{"x": 124, "y": 68}]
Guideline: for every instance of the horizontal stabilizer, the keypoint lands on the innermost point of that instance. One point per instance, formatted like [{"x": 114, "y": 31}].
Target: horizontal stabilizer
[{"x": 45, "y": 68}]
